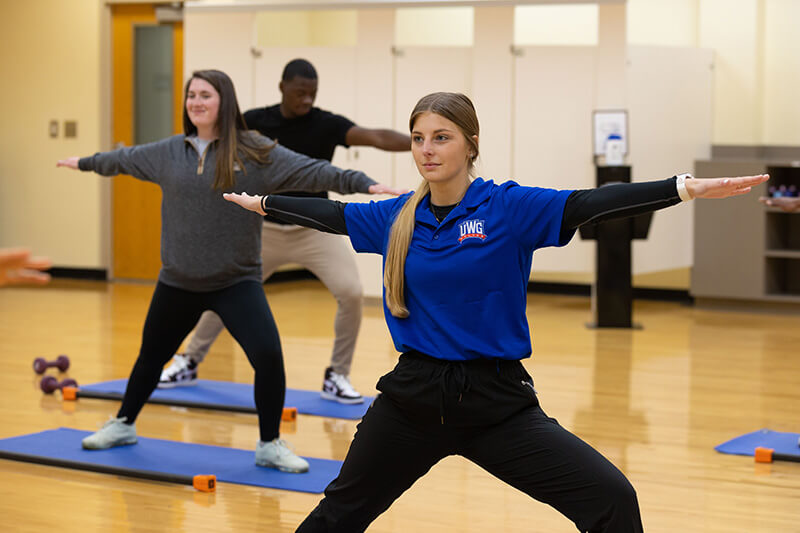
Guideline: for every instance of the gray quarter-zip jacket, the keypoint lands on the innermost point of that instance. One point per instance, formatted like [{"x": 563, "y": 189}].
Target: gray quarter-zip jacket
[{"x": 208, "y": 243}]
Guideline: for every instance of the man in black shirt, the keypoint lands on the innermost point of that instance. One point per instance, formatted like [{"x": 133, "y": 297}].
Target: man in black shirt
[{"x": 296, "y": 124}]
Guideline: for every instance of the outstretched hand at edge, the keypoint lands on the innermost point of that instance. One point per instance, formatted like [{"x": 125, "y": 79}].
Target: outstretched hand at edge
[
  {"x": 787, "y": 204},
  {"x": 723, "y": 187},
  {"x": 17, "y": 267}
]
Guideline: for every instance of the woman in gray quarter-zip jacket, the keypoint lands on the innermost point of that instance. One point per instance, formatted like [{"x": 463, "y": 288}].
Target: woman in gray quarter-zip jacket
[{"x": 210, "y": 249}]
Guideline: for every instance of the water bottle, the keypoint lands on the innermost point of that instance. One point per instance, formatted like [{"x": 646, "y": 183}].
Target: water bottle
[{"x": 614, "y": 150}]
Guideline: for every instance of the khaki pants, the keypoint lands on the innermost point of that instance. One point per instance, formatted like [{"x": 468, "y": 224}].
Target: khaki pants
[{"x": 329, "y": 258}]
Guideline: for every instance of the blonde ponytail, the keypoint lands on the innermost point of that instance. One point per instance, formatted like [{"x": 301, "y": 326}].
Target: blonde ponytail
[
  {"x": 394, "y": 271},
  {"x": 458, "y": 109}
]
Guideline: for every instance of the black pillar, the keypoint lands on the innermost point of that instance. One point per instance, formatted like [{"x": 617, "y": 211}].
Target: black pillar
[
  {"x": 612, "y": 297},
  {"x": 613, "y": 290}
]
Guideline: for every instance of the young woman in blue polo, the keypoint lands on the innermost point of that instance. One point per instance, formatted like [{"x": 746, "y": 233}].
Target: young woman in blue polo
[{"x": 457, "y": 259}]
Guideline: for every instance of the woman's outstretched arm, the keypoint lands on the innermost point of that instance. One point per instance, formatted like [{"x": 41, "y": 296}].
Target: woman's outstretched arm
[
  {"x": 621, "y": 200},
  {"x": 145, "y": 161}
]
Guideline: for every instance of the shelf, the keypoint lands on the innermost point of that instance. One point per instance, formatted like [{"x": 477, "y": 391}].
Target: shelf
[
  {"x": 782, "y": 232},
  {"x": 780, "y": 211},
  {"x": 788, "y": 298},
  {"x": 782, "y": 275},
  {"x": 784, "y": 254},
  {"x": 782, "y": 243}
]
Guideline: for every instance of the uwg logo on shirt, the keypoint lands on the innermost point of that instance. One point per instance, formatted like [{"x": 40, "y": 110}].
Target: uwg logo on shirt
[{"x": 470, "y": 229}]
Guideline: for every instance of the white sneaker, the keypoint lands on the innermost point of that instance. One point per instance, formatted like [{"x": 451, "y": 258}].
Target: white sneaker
[
  {"x": 276, "y": 454},
  {"x": 181, "y": 372},
  {"x": 115, "y": 432},
  {"x": 337, "y": 387}
]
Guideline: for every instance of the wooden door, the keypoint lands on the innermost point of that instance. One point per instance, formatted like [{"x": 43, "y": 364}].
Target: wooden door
[{"x": 136, "y": 204}]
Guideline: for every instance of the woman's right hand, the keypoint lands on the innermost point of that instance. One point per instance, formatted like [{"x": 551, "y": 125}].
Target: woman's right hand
[
  {"x": 251, "y": 203},
  {"x": 70, "y": 162}
]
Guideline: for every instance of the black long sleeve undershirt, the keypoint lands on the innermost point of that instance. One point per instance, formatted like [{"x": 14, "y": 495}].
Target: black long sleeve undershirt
[{"x": 586, "y": 206}]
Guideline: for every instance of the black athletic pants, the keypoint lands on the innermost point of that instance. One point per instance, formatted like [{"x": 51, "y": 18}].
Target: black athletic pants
[
  {"x": 487, "y": 412},
  {"x": 244, "y": 310}
]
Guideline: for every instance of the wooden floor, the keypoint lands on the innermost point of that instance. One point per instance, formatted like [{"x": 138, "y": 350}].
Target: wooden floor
[{"x": 654, "y": 401}]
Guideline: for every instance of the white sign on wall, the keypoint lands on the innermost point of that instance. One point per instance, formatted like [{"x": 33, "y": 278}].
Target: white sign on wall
[{"x": 609, "y": 123}]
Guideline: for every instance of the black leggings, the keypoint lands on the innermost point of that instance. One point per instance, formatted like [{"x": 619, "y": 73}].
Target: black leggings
[
  {"x": 486, "y": 411},
  {"x": 244, "y": 310}
]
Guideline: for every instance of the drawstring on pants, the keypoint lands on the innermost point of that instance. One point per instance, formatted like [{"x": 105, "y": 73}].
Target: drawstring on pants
[{"x": 453, "y": 380}]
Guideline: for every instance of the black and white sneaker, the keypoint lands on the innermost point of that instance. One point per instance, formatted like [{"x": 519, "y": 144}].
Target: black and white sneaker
[
  {"x": 181, "y": 372},
  {"x": 337, "y": 388}
]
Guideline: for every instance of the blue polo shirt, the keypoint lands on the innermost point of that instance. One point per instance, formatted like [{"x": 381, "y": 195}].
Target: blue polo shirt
[{"x": 466, "y": 277}]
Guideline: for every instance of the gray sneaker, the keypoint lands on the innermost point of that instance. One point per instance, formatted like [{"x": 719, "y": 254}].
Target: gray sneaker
[
  {"x": 276, "y": 454},
  {"x": 115, "y": 432}
]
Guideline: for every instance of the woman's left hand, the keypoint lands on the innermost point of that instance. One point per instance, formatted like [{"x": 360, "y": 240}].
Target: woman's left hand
[
  {"x": 722, "y": 187},
  {"x": 380, "y": 188},
  {"x": 251, "y": 203}
]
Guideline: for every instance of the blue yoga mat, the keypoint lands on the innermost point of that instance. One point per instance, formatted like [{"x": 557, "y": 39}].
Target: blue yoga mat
[
  {"x": 169, "y": 457},
  {"x": 232, "y": 397},
  {"x": 746, "y": 444}
]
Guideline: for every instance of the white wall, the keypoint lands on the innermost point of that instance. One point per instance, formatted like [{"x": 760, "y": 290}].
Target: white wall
[
  {"x": 757, "y": 60},
  {"x": 374, "y": 93},
  {"x": 663, "y": 22},
  {"x": 548, "y": 25},
  {"x": 670, "y": 128},
  {"x": 554, "y": 99},
  {"x": 229, "y": 49},
  {"x": 441, "y": 26},
  {"x": 781, "y": 74},
  {"x": 492, "y": 90},
  {"x": 733, "y": 35},
  {"x": 306, "y": 28}
]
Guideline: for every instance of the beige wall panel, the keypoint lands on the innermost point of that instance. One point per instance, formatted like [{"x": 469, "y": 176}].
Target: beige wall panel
[
  {"x": 492, "y": 89},
  {"x": 554, "y": 99},
  {"x": 560, "y": 25},
  {"x": 434, "y": 26},
  {"x": 416, "y": 76},
  {"x": 222, "y": 41},
  {"x": 669, "y": 128},
  {"x": 282, "y": 28},
  {"x": 781, "y": 73},
  {"x": 663, "y": 22},
  {"x": 52, "y": 63},
  {"x": 374, "y": 90},
  {"x": 732, "y": 33}
]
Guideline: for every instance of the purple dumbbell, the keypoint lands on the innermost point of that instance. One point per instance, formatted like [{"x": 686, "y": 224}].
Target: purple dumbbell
[
  {"x": 50, "y": 384},
  {"x": 40, "y": 365}
]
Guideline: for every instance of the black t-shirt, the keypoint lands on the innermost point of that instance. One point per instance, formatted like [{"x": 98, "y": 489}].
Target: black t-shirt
[{"x": 315, "y": 134}]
